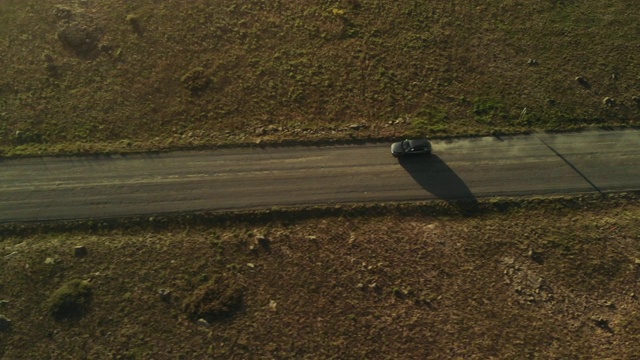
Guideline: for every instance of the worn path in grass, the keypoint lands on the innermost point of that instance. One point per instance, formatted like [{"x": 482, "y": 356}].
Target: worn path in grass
[{"x": 108, "y": 186}]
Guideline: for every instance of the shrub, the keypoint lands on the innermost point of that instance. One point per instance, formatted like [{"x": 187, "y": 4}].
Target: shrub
[
  {"x": 70, "y": 300},
  {"x": 79, "y": 38},
  {"x": 134, "y": 21},
  {"x": 196, "y": 80},
  {"x": 217, "y": 299}
]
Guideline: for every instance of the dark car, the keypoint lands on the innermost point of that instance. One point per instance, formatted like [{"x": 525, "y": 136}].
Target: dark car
[{"x": 411, "y": 147}]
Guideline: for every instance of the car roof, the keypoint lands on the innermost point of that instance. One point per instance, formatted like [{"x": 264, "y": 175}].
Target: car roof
[{"x": 417, "y": 142}]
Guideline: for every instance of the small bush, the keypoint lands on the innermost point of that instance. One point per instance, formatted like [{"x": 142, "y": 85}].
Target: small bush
[
  {"x": 218, "y": 299},
  {"x": 79, "y": 38},
  {"x": 196, "y": 80},
  {"x": 26, "y": 137},
  {"x": 70, "y": 300},
  {"x": 134, "y": 21}
]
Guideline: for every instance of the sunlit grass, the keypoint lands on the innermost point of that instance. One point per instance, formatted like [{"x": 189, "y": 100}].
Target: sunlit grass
[{"x": 303, "y": 66}]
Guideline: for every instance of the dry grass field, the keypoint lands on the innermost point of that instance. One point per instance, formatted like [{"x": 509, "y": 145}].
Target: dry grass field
[
  {"x": 533, "y": 280},
  {"x": 524, "y": 279},
  {"x": 90, "y": 76}
]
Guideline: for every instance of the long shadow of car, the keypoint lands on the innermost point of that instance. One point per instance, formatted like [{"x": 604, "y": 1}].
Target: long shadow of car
[{"x": 433, "y": 175}]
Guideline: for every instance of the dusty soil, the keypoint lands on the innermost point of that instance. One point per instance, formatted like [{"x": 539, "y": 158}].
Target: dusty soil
[
  {"x": 87, "y": 76},
  {"x": 541, "y": 280}
]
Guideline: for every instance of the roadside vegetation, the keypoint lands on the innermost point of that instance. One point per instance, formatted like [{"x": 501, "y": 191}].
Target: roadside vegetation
[
  {"x": 83, "y": 76},
  {"x": 519, "y": 279}
]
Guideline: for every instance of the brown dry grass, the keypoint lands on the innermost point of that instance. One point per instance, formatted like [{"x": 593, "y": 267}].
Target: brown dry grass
[
  {"x": 82, "y": 76},
  {"x": 544, "y": 280}
]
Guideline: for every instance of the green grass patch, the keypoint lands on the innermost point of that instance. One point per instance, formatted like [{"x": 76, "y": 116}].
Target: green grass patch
[
  {"x": 489, "y": 111},
  {"x": 429, "y": 122}
]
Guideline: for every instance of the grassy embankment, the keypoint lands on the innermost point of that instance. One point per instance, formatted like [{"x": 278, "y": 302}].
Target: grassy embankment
[{"x": 142, "y": 75}]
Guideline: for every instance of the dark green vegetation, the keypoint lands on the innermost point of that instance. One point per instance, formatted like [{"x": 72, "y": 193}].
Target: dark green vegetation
[
  {"x": 70, "y": 300},
  {"x": 542, "y": 279},
  {"x": 138, "y": 75}
]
